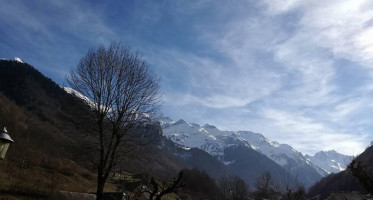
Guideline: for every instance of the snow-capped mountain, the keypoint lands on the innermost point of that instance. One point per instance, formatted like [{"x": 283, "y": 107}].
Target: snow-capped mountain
[
  {"x": 163, "y": 120},
  {"x": 330, "y": 161},
  {"x": 192, "y": 135},
  {"x": 214, "y": 141}
]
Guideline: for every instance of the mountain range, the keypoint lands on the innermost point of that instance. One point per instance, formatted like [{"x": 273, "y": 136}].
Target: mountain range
[
  {"x": 330, "y": 161},
  {"x": 280, "y": 159},
  {"x": 175, "y": 144},
  {"x": 209, "y": 138}
]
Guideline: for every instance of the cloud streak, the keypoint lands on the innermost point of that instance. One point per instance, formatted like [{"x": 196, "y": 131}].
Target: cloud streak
[{"x": 299, "y": 72}]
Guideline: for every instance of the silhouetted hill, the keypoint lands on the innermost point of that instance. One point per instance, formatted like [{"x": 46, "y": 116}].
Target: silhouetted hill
[
  {"x": 38, "y": 162},
  {"x": 30, "y": 89},
  {"x": 344, "y": 181},
  {"x": 44, "y": 121}
]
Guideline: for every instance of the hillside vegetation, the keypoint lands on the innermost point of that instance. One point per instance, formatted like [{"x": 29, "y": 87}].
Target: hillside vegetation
[{"x": 46, "y": 125}]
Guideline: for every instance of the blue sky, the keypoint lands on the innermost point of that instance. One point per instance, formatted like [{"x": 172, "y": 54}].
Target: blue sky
[{"x": 299, "y": 72}]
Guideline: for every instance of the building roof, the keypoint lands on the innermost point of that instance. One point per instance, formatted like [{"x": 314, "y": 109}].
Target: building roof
[{"x": 4, "y": 136}]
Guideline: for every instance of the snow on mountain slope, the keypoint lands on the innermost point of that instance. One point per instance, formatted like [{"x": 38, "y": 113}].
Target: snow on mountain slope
[
  {"x": 330, "y": 161},
  {"x": 15, "y": 59},
  {"x": 193, "y": 135},
  {"x": 140, "y": 117},
  {"x": 79, "y": 95},
  {"x": 280, "y": 153},
  {"x": 163, "y": 120},
  {"x": 214, "y": 141}
]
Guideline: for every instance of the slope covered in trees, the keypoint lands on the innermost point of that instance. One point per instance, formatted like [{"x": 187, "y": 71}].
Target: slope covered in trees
[
  {"x": 42, "y": 119},
  {"x": 345, "y": 180}
]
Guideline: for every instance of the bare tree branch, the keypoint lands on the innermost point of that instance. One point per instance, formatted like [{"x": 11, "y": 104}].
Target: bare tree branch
[
  {"x": 165, "y": 188},
  {"x": 122, "y": 89}
]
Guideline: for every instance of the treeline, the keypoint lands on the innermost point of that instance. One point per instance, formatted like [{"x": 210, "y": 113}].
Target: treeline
[{"x": 197, "y": 185}]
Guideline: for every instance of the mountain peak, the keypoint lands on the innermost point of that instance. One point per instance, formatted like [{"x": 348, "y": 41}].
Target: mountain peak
[
  {"x": 195, "y": 125},
  {"x": 181, "y": 121},
  {"x": 165, "y": 119},
  {"x": 328, "y": 153},
  {"x": 332, "y": 152},
  {"x": 209, "y": 126},
  {"x": 331, "y": 161}
]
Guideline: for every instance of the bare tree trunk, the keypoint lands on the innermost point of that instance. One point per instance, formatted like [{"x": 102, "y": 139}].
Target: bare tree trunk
[{"x": 100, "y": 188}]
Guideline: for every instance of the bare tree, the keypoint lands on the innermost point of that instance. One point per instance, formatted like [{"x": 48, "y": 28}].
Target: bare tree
[
  {"x": 239, "y": 188},
  {"x": 159, "y": 190},
  {"x": 289, "y": 188},
  {"x": 291, "y": 191},
  {"x": 233, "y": 187},
  {"x": 225, "y": 186},
  {"x": 265, "y": 187},
  {"x": 121, "y": 89}
]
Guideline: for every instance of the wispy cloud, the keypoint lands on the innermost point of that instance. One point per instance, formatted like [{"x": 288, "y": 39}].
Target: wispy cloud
[
  {"x": 325, "y": 33},
  {"x": 274, "y": 70},
  {"x": 308, "y": 133},
  {"x": 52, "y": 35},
  {"x": 210, "y": 83},
  {"x": 298, "y": 71}
]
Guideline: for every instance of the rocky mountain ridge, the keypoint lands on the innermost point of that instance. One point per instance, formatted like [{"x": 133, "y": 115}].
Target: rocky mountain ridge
[{"x": 214, "y": 141}]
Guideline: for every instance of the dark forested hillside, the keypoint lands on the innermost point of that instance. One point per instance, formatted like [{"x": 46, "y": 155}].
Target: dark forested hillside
[
  {"x": 30, "y": 89},
  {"x": 46, "y": 125},
  {"x": 39, "y": 161},
  {"x": 344, "y": 181}
]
